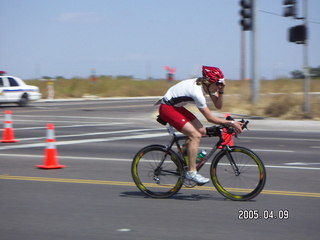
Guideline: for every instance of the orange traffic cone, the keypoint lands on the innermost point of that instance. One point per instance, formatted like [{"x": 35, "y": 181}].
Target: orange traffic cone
[
  {"x": 8, "y": 133},
  {"x": 51, "y": 159}
]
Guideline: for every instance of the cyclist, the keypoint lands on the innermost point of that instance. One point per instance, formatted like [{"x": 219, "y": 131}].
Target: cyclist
[{"x": 172, "y": 111}]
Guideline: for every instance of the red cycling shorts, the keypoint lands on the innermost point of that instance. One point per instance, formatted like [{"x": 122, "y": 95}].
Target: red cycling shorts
[{"x": 175, "y": 116}]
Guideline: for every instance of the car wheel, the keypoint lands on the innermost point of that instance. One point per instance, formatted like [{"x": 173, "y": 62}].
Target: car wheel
[{"x": 24, "y": 100}]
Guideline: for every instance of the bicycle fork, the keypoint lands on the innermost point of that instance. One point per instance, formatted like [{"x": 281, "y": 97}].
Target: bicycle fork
[
  {"x": 231, "y": 161},
  {"x": 158, "y": 170}
]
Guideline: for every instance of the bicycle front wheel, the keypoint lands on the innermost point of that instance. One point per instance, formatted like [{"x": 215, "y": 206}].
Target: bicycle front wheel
[
  {"x": 238, "y": 173},
  {"x": 157, "y": 172}
]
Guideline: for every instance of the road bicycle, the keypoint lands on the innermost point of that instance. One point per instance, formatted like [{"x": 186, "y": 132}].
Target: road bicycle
[{"x": 236, "y": 172}]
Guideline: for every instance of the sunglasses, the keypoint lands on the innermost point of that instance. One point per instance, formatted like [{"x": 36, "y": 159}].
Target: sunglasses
[{"x": 220, "y": 82}]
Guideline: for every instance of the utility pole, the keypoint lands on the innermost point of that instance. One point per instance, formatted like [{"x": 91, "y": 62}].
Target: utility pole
[
  {"x": 249, "y": 23},
  {"x": 298, "y": 35},
  {"x": 242, "y": 55},
  {"x": 306, "y": 106},
  {"x": 254, "y": 52}
]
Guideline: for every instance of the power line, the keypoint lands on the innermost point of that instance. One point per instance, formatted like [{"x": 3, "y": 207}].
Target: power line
[
  {"x": 279, "y": 15},
  {"x": 314, "y": 22},
  {"x": 272, "y": 13}
]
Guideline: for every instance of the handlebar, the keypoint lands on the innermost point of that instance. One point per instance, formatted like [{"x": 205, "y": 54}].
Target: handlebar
[
  {"x": 245, "y": 122},
  {"x": 216, "y": 131}
]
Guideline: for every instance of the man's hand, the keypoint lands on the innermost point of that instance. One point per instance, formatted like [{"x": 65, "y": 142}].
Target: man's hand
[
  {"x": 237, "y": 126},
  {"x": 221, "y": 86}
]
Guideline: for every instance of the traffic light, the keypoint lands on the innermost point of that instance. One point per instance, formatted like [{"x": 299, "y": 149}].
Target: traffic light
[
  {"x": 298, "y": 34},
  {"x": 290, "y": 8},
  {"x": 247, "y": 15}
]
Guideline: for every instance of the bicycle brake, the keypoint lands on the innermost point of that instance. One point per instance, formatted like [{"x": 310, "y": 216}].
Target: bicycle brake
[{"x": 245, "y": 124}]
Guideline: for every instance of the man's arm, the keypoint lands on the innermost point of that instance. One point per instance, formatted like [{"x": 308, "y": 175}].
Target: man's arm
[{"x": 213, "y": 119}]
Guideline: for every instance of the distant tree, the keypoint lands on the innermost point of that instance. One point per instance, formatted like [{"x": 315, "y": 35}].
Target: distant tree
[
  {"x": 297, "y": 74},
  {"x": 315, "y": 72}
]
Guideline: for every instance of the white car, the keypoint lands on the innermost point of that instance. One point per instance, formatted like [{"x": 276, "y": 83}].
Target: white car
[{"x": 14, "y": 90}]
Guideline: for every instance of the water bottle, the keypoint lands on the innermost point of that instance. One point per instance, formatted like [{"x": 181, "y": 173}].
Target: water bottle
[{"x": 201, "y": 155}]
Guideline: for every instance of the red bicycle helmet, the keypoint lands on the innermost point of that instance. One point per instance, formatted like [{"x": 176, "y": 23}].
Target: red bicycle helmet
[{"x": 213, "y": 74}]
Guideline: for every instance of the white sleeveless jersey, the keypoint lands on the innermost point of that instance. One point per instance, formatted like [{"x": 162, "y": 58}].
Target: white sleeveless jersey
[{"x": 184, "y": 92}]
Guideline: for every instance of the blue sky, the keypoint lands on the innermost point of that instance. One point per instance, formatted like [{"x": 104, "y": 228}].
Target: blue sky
[{"x": 139, "y": 37}]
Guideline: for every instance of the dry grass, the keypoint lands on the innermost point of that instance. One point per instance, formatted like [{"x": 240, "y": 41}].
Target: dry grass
[
  {"x": 286, "y": 106},
  {"x": 279, "y": 98}
]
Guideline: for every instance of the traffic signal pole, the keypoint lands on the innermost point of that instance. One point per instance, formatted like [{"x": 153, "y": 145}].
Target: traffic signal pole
[
  {"x": 243, "y": 55},
  {"x": 299, "y": 35},
  {"x": 255, "y": 82},
  {"x": 248, "y": 13},
  {"x": 306, "y": 106}
]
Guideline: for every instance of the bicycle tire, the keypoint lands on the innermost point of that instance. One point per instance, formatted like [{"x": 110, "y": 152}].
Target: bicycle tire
[
  {"x": 157, "y": 182},
  {"x": 243, "y": 185}
]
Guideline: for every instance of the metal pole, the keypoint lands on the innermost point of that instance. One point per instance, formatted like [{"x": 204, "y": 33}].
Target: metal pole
[
  {"x": 255, "y": 63},
  {"x": 242, "y": 55},
  {"x": 306, "y": 107}
]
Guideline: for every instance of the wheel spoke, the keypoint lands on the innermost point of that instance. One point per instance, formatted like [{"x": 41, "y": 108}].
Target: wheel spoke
[
  {"x": 243, "y": 179},
  {"x": 157, "y": 172}
]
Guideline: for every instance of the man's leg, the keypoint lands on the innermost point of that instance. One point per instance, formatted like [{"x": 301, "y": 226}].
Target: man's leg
[
  {"x": 193, "y": 144},
  {"x": 194, "y": 130}
]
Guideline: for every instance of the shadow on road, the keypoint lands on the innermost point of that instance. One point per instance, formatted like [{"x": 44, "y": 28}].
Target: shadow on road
[{"x": 178, "y": 196}]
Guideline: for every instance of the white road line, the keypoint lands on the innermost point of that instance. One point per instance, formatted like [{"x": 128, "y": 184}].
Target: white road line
[
  {"x": 124, "y": 137},
  {"x": 130, "y": 160},
  {"x": 99, "y": 100},
  {"x": 284, "y": 139},
  {"x": 112, "y": 139},
  {"x": 284, "y": 130},
  {"x": 124, "y": 123},
  {"x": 59, "y": 121},
  {"x": 87, "y": 141},
  {"x": 263, "y": 150},
  {"x": 76, "y": 117},
  {"x": 273, "y": 150},
  {"x": 92, "y": 134},
  {"x": 302, "y": 163},
  {"x": 68, "y": 157},
  {"x": 74, "y": 126},
  {"x": 292, "y": 167}
]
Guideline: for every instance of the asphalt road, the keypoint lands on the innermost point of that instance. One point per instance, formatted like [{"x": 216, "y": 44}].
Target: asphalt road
[{"x": 94, "y": 196}]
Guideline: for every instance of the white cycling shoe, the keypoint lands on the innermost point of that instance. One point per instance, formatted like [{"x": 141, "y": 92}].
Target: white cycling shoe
[{"x": 196, "y": 177}]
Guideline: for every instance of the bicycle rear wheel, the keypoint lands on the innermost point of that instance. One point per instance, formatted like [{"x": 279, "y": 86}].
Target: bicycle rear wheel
[
  {"x": 238, "y": 174},
  {"x": 157, "y": 172}
]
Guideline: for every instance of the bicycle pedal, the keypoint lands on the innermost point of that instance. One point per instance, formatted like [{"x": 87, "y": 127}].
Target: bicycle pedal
[
  {"x": 189, "y": 183},
  {"x": 200, "y": 184}
]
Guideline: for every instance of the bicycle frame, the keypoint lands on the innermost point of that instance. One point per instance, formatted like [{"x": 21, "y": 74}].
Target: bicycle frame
[{"x": 175, "y": 140}]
